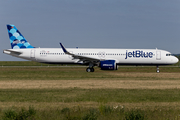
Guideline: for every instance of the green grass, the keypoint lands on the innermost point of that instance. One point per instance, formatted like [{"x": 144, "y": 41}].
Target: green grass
[
  {"x": 76, "y": 73},
  {"x": 104, "y": 112},
  {"x": 95, "y": 103},
  {"x": 90, "y": 95},
  {"x": 22, "y": 114}
]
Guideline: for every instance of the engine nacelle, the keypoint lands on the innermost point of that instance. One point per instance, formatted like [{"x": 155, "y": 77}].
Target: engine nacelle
[{"x": 108, "y": 65}]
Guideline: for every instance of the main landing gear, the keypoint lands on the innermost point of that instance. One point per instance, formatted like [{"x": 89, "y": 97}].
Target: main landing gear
[{"x": 90, "y": 69}]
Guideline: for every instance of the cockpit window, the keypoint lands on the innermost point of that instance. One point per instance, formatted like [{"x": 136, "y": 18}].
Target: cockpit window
[{"x": 169, "y": 54}]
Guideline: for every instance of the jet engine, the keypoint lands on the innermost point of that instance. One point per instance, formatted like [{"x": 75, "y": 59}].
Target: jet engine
[{"x": 108, "y": 65}]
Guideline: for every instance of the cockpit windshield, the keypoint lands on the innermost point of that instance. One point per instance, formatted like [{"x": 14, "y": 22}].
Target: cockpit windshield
[{"x": 169, "y": 55}]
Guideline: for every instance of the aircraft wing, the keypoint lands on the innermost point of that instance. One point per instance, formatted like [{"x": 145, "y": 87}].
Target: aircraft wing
[{"x": 85, "y": 59}]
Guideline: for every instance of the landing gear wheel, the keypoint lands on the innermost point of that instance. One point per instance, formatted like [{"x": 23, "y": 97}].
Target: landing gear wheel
[
  {"x": 92, "y": 69},
  {"x": 88, "y": 69}
]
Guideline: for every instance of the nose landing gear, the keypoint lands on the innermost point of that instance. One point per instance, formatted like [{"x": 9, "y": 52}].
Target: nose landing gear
[{"x": 157, "y": 69}]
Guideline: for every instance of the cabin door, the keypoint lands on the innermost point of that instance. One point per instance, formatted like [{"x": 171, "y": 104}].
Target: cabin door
[
  {"x": 158, "y": 55},
  {"x": 33, "y": 53}
]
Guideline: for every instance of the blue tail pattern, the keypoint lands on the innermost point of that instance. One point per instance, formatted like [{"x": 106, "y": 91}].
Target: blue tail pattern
[{"x": 16, "y": 38}]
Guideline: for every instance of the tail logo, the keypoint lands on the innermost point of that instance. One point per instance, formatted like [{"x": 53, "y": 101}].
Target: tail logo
[{"x": 16, "y": 38}]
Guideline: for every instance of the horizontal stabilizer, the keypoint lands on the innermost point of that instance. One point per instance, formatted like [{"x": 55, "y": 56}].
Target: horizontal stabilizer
[{"x": 12, "y": 52}]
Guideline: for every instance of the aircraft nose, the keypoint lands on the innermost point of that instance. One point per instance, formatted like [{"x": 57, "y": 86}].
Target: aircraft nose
[{"x": 175, "y": 60}]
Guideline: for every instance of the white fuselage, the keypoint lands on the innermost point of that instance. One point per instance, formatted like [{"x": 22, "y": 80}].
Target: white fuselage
[{"x": 121, "y": 56}]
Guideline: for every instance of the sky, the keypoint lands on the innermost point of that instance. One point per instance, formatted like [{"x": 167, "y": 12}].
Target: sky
[{"x": 139, "y": 24}]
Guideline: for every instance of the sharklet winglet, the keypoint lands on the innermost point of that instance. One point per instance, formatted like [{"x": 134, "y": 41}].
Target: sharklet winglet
[{"x": 64, "y": 49}]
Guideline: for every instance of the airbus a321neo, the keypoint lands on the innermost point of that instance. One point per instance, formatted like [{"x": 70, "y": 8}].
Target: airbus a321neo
[{"x": 106, "y": 59}]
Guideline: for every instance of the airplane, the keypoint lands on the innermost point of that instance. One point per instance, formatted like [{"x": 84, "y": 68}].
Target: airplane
[{"x": 106, "y": 59}]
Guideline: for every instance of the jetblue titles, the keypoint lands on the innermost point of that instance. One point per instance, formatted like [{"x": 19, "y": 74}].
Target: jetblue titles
[{"x": 138, "y": 54}]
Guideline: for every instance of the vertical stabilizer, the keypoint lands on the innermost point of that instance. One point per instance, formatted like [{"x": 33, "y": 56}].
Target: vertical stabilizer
[{"x": 16, "y": 38}]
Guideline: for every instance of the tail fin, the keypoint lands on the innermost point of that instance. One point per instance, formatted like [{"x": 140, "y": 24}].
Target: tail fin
[{"x": 16, "y": 38}]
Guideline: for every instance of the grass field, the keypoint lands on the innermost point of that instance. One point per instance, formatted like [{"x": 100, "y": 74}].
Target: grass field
[{"x": 72, "y": 93}]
